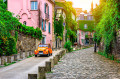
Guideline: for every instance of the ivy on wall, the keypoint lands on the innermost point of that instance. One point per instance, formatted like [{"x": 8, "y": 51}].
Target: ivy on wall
[
  {"x": 10, "y": 25},
  {"x": 108, "y": 23},
  {"x": 71, "y": 25},
  {"x": 59, "y": 28},
  {"x": 90, "y": 25}
]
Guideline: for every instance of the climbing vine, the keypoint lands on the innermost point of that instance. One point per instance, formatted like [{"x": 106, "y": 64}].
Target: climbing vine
[
  {"x": 90, "y": 25},
  {"x": 59, "y": 28},
  {"x": 108, "y": 23},
  {"x": 71, "y": 25}
]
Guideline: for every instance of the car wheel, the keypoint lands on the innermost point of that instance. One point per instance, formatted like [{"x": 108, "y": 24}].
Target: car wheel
[
  {"x": 51, "y": 54},
  {"x": 35, "y": 55}
]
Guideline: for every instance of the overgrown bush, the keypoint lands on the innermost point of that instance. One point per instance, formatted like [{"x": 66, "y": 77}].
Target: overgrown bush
[
  {"x": 107, "y": 18},
  {"x": 10, "y": 25},
  {"x": 68, "y": 45}
]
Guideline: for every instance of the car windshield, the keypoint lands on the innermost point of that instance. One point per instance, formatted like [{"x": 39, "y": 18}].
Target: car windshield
[{"x": 43, "y": 45}]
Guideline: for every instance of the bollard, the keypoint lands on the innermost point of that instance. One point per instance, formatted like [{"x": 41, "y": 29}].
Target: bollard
[
  {"x": 58, "y": 56},
  {"x": 52, "y": 63},
  {"x": 21, "y": 55},
  {"x": 30, "y": 53},
  {"x": 15, "y": 57},
  {"x": 3, "y": 60},
  {"x": 48, "y": 66},
  {"x": 26, "y": 54},
  {"x": 64, "y": 52},
  {"x": 8, "y": 59},
  {"x": 32, "y": 76},
  {"x": 41, "y": 72},
  {"x": 55, "y": 60}
]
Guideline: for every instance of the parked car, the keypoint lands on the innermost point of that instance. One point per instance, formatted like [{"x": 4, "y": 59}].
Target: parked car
[{"x": 43, "y": 49}]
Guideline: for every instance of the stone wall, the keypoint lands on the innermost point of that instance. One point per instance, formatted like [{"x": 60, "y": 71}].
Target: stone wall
[
  {"x": 26, "y": 43},
  {"x": 115, "y": 48}
]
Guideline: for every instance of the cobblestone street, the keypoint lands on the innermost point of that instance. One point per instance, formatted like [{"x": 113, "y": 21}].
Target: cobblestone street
[{"x": 84, "y": 64}]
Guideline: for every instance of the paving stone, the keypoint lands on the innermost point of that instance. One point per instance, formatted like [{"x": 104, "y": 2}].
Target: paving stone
[{"x": 85, "y": 64}]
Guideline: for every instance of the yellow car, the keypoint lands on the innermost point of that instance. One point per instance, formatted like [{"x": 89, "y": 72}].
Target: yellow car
[{"x": 43, "y": 49}]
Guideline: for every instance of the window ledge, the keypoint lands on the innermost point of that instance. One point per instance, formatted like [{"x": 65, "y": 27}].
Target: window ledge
[{"x": 33, "y": 10}]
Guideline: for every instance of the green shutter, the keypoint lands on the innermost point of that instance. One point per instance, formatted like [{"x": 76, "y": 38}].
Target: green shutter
[
  {"x": 49, "y": 27},
  {"x": 42, "y": 24},
  {"x": 45, "y": 25}
]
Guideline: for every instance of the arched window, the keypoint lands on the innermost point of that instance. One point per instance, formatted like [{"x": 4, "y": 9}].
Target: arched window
[
  {"x": 85, "y": 26},
  {"x": 25, "y": 23}
]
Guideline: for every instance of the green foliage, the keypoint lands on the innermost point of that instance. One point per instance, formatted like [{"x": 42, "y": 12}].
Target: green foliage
[
  {"x": 71, "y": 25},
  {"x": 90, "y": 25},
  {"x": 59, "y": 28},
  {"x": 9, "y": 27},
  {"x": 108, "y": 24},
  {"x": 86, "y": 36},
  {"x": 111, "y": 57},
  {"x": 68, "y": 45}
]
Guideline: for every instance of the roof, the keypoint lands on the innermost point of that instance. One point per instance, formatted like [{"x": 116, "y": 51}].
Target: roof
[{"x": 78, "y": 11}]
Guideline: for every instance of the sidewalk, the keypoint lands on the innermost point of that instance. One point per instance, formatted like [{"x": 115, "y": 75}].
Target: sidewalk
[{"x": 21, "y": 69}]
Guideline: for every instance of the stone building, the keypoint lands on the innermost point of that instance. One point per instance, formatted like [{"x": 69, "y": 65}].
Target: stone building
[{"x": 58, "y": 12}]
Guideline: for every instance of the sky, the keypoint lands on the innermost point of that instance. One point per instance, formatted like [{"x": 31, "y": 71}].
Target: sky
[{"x": 84, "y": 4}]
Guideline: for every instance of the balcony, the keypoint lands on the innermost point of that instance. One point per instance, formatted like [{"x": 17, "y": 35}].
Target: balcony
[{"x": 47, "y": 17}]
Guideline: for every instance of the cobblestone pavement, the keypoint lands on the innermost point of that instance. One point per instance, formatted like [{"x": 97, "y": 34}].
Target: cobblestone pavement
[{"x": 84, "y": 64}]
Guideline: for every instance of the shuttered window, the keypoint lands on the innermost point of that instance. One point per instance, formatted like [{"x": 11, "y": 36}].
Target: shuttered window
[
  {"x": 42, "y": 24},
  {"x": 49, "y": 28},
  {"x": 45, "y": 7},
  {"x": 45, "y": 25}
]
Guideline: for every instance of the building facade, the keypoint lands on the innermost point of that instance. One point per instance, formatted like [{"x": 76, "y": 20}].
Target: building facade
[
  {"x": 35, "y": 13},
  {"x": 84, "y": 35},
  {"x": 58, "y": 12}
]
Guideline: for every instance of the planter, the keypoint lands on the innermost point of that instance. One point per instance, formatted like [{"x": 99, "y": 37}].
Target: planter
[
  {"x": 30, "y": 53},
  {"x": 3, "y": 60},
  {"x": 15, "y": 57},
  {"x": 21, "y": 55},
  {"x": 8, "y": 59}
]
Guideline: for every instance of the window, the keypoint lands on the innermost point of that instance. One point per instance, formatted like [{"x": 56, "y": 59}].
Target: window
[
  {"x": 45, "y": 25},
  {"x": 43, "y": 40},
  {"x": 46, "y": 9},
  {"x": 85, "y": 26},
  {"x": 34, "y": 5},
  {"x": 25, "y": 23},
  {"x": 81, "y": 33},
  {"x": 86, "y": 33},
  {"x": 85, "y": 17},
  {"x": 42, "y": 23},
  {"x": 49, "y": 27},
  {"x": 4, "y": 0}
]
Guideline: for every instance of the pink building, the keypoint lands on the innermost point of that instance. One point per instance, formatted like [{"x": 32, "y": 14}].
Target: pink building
[
  {"x": 35, "y": 13},
  {"x": 81, "y": 37}
]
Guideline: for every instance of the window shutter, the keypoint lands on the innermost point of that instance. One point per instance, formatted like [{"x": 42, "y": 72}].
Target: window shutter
[
  {"x": 45, "y": 25},
  {"x": 49, "y": 27},
  {"x": 48, "y": 10},
  {"x": 45, "y": 7},
  {"x": 42, "y": 24}
]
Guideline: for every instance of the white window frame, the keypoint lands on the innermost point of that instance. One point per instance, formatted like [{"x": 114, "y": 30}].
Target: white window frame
[
  {"x": 34, "y": 5},
  {"x": 85, "y": 26}
]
